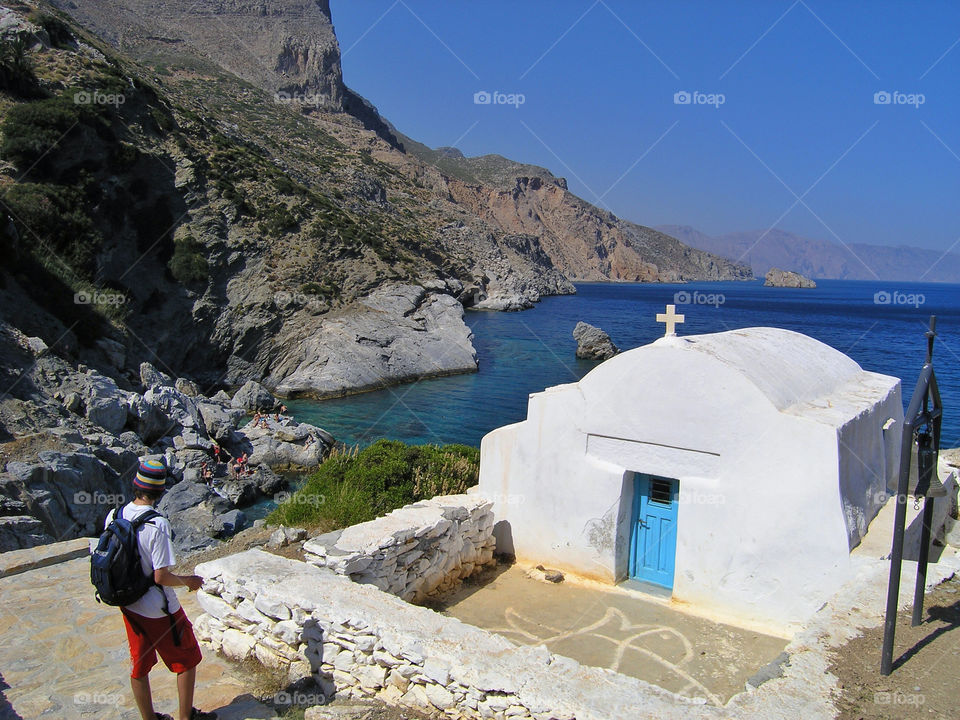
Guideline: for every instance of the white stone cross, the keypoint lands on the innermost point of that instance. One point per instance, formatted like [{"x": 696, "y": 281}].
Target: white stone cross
[{"x": 671, "y": 319}]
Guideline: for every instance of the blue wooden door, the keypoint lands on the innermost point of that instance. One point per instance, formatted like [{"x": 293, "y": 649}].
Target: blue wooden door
[{"x": 653, "y": 540}]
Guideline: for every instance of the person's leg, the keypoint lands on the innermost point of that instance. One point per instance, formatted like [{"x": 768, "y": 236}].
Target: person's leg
[
  {"x": 143, "y": 697},
  {"x": 185, "y": 683}
]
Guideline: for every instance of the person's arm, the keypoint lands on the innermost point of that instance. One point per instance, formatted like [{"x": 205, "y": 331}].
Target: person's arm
[{"x": 163, "y": 576}]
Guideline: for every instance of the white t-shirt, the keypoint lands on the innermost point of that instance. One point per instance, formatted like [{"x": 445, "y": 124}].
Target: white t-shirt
[{"x": 156, "y": 551}]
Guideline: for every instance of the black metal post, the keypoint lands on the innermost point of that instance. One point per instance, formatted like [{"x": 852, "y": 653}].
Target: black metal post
[
  {"x": 920, "y": 588},
  {"x": 896, "y": 554}
]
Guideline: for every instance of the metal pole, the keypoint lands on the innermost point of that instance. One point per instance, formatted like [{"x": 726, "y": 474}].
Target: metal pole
[
  {"x": 896, "y": 554},
  {"x": 920, "y": 589}
]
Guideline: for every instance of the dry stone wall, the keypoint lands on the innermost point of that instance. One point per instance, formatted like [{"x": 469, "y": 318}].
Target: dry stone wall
[
  {"x": 358, "y": 641},
  {"x": 414, "y": 552}
]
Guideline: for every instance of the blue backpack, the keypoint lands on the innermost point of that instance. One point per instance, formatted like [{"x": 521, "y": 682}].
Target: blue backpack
[{"x": 115, "y": 568}]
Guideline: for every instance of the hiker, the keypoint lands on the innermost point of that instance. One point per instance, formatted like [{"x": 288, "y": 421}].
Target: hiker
[
  {"x": 206, "y": 473},
  {"x": 156, "y": 623}
]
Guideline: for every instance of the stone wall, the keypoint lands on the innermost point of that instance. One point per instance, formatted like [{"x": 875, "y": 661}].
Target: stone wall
[
  {"x": 360, "y": 642},
  {"x": 414, "y": 552}
]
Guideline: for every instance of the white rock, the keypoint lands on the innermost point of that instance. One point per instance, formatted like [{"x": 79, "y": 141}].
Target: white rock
[
  {"x": 439, "y": 696},
  {"x": 237, "y": 645}
]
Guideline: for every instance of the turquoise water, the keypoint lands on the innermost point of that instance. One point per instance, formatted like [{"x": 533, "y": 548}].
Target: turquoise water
[{"x": 525, "y": 352}]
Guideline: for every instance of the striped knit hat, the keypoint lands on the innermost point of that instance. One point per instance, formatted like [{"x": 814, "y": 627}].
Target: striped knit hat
[{"x": 151, "y": 475}]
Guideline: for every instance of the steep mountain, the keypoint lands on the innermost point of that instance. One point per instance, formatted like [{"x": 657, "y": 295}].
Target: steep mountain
[
  {"x": 203, "y": 192},
  {"x": 583, "y": 241},
  {"x": 822, "y": 259}
]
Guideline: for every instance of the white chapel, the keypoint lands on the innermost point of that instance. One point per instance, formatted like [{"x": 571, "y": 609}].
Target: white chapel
[{"x": 733, "y": 471}]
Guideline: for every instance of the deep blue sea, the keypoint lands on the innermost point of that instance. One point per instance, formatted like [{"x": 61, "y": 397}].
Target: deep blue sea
[{"x": 880, "y": 325}]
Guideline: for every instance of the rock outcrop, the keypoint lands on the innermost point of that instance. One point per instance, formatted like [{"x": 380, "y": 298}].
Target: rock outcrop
[
  {"x": 593, "y": 343},
  {"x": 74, "y": 453},
  {"x": 398, "y": 333},
  {"x": 784, "y": 278}
]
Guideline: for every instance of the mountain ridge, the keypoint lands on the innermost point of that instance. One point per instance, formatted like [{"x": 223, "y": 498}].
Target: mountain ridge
[{"x": 765, "y": 249}]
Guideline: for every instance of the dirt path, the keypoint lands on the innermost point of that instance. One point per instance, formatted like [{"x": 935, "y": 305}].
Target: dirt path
[{"x": 926, "y": 676}]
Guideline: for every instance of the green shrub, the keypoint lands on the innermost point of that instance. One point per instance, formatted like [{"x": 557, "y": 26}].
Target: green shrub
[
  {"x": 352, "y": 487},
  {"x": 188, "y": 264},
  {"x": 16, "y": 70},
  {"x": 51, "y": 217},
  {"x": 33, "y": 132}
]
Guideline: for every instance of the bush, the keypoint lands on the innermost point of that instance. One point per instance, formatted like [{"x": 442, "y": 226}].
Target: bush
[
  {"x": 16, "y": 70},
  {"x": 53, "y": 215},
  {"x": 188, "y": 264},
  {"x": 32, "y": 130},
  {"x": 360, "y": 486}
]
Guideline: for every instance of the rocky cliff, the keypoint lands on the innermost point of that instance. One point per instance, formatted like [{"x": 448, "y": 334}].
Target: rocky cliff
[{"x": 218, "y": 195}]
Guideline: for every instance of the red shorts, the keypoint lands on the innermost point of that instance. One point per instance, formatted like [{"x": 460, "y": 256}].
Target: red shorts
[{"x": 149, "y": 636}]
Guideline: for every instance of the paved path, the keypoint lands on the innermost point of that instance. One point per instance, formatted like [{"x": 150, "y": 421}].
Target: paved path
[
  {"x": 620, "y": 631},
  {"x": 64, "y": 656}
]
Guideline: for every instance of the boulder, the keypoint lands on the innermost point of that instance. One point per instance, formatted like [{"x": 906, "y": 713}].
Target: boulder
[
  {"x": 220, "y": 420},
  {"x": 254, "y": 397},
  {"x": 285, "y": 446},
  {"x": 187, "y": 387},
  {"x": 181, "y": 409},
  {"x": 185, "y": 495},
  {"x": 240, "y": 491},
  {"x": 593, "y": 343},
  {"x": 106, "y": 404},
  {"x": 18, "y": 532},
  {"x": 150, "y": 376},
  {"x": 69, "y": 493},
  {"x": 229, "y": 523},
  {"x": 148, "y": 420}
]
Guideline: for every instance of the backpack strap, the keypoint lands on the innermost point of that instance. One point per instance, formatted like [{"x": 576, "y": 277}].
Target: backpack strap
[{"x": 144, "y": 518}]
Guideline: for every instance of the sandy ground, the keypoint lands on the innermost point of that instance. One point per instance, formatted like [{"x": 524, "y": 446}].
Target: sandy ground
[{"x": 926, "y": 675}]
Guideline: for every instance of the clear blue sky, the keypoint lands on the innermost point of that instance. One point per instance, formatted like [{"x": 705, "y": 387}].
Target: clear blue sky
[{"x": 599, "y": 82}]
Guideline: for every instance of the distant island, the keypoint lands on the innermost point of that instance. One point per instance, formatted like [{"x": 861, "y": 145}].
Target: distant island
[{"x": 785, "y": 278}]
